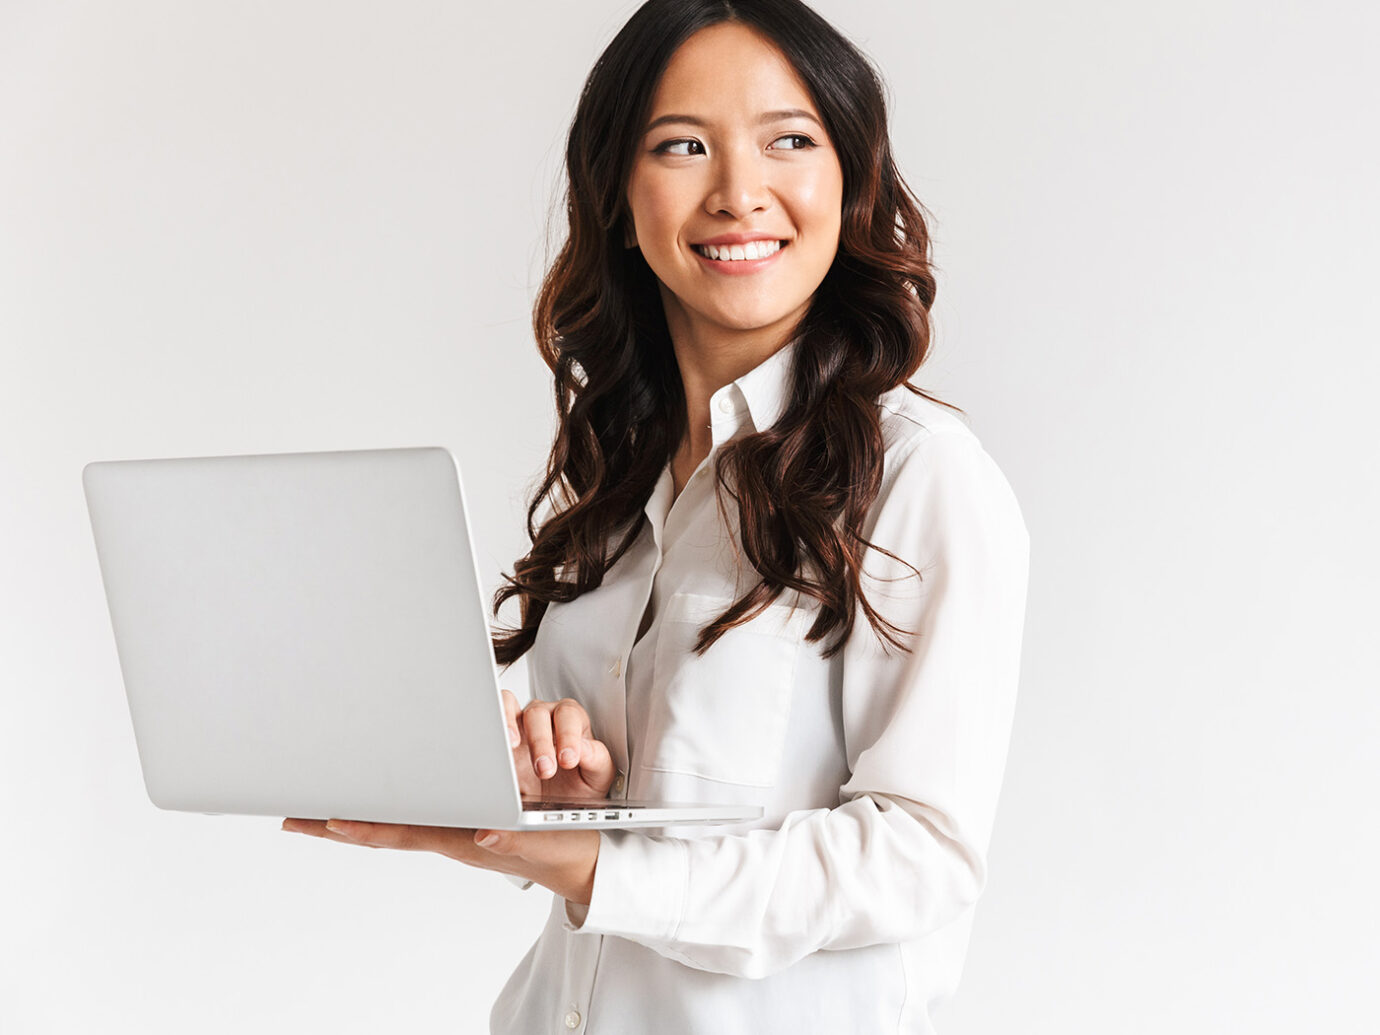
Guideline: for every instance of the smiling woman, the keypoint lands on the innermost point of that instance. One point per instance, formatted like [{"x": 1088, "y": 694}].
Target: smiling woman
[
  {"x": 736, "y": 206},
  {"x": 704, "y": 125},
  {"x": 765, "y": 568},
  {"x": 736, "y": 203}
]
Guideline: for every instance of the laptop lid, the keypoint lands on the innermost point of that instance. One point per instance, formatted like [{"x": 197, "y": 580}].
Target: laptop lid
[{"x": 291, "y": 629}]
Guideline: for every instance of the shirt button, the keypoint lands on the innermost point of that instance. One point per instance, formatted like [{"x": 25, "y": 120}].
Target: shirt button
[
  {"x": 618, "y": 784},
  {"x": 572, "y": 1019},
  {"x": 726, "y": 405}
]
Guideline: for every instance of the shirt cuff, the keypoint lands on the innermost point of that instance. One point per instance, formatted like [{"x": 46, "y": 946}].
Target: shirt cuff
[{"x": 639, "y": 888}]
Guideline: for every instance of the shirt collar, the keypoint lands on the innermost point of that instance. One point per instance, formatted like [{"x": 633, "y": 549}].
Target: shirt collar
[
  {"x": 756, "y": 400},
  {"x": 759, "y": 397}
]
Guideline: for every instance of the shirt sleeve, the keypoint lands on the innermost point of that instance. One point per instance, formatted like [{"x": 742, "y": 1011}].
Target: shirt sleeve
[{"x": 926, "y": 734}]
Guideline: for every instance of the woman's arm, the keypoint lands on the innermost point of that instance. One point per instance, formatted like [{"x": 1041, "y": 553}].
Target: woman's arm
[
  {"x": 562, "y": 860},
  {"x": 926, "y": 735}
]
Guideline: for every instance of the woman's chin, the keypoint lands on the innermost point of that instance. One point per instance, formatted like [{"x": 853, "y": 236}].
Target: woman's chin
[{"x": 744, "y": 321}]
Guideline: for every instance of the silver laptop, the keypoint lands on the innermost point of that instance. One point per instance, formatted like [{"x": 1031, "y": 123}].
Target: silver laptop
[{"x": 305, "y": 634}]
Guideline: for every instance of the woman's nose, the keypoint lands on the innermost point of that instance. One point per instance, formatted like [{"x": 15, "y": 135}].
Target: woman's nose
[{"x": 740, "y": 187}]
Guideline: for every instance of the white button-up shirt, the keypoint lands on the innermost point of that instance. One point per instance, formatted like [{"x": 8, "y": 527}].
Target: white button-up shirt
[{"x": 847, "y": 907}]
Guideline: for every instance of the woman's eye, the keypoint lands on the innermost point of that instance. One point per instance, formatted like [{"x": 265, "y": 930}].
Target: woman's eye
[
  {"x": 680, "y": 147},
  {"x": 793, "y": 142}
]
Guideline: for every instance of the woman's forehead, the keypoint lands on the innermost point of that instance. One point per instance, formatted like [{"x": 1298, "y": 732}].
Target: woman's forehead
[{"x": 728, "y": 72}]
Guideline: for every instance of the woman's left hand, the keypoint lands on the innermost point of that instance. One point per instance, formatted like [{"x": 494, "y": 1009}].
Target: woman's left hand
[{"x": 561, "y": 860}]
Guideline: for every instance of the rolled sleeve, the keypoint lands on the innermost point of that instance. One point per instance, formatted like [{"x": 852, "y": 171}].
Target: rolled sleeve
[{"x": 639, "y": 887}]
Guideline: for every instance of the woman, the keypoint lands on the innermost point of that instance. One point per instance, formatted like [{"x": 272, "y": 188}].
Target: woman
[{"x": 766, "y": 570}]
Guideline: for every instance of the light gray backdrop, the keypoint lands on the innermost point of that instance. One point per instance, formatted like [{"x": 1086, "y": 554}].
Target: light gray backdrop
[{"x": 234, "y": 227}]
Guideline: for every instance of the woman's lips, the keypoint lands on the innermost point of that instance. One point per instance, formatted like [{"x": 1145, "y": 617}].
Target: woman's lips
[{"x": 726, "y": 263}]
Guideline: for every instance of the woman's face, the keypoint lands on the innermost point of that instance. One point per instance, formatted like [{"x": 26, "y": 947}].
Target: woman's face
[{"x": 735, "y": 163}]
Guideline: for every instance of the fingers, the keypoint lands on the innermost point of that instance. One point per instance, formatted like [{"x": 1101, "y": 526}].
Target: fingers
[
  {"x": 570, "y": 727},
  {"x": 401, "y": 837},
  {"x": 536, "y": 726},
  {"x": 383, "y": 835},
  {"x": 529, "y": 782},
  {"x": 558, "y": 735},
  {"x": 323, "y": 829},
  {"x": 510, "y": 715}
]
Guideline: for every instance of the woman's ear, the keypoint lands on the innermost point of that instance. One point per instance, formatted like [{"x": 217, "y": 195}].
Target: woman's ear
[{"x": 629, "y": 234}]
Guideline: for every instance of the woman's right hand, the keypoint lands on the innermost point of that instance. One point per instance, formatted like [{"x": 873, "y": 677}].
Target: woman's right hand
[{"x": 554, "y": 750}]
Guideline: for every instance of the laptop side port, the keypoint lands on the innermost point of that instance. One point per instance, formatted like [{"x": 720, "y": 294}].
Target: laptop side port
[{"x": 610, "y": 815}]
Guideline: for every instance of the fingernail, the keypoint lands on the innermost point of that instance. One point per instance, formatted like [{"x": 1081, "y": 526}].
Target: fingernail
[
  {"x": 488, "y": 840},
  {"x": 513, "y": 739},
  {"x": 569, "y": 757},
  {"x": 545, "y": 766}
]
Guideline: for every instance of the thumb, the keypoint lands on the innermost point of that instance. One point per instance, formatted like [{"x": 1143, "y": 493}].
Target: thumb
[
  {"x": 596, "y": 765},
  {"x": 500, "y": 842}
]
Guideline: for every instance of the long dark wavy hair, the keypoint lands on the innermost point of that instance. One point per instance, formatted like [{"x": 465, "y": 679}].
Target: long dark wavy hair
[{"x": 802, "y": 487}]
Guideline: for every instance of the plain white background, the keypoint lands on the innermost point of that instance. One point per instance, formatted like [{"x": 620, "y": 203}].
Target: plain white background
[{"x": 283, "y": 226}]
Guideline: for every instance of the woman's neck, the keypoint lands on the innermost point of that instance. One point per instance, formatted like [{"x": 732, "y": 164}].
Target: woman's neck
[
  {"x": 704, "y": 369},
  {"x": 708, "y": 361}
]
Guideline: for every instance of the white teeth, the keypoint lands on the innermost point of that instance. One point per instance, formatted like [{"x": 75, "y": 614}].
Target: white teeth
[{"x": 737, "y": 252}]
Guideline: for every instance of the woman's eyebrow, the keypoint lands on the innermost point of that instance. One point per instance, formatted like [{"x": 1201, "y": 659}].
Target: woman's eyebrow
[
  {"x": 689, "y": 120},
  {"x": 788, "y": 113},
  {"x": 765, "y": 117}
]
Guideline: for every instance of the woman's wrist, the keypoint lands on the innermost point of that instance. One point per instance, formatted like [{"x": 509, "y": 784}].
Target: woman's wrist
[
  {"x": 563, "y": 861},
  {"x": 578, "y": 883}
]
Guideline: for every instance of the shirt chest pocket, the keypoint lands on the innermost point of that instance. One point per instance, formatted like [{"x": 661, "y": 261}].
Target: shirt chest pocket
[{"x": 723, "y": 715}]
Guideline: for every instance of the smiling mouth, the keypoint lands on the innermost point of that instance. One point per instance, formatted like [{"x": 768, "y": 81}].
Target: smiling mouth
[{"x": 739, "y": 252}]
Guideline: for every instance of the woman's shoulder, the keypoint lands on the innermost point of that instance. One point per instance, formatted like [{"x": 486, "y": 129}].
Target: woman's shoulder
[
  {"x": 908, "y": 419},
  {"x": 933, "y": 454}
]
